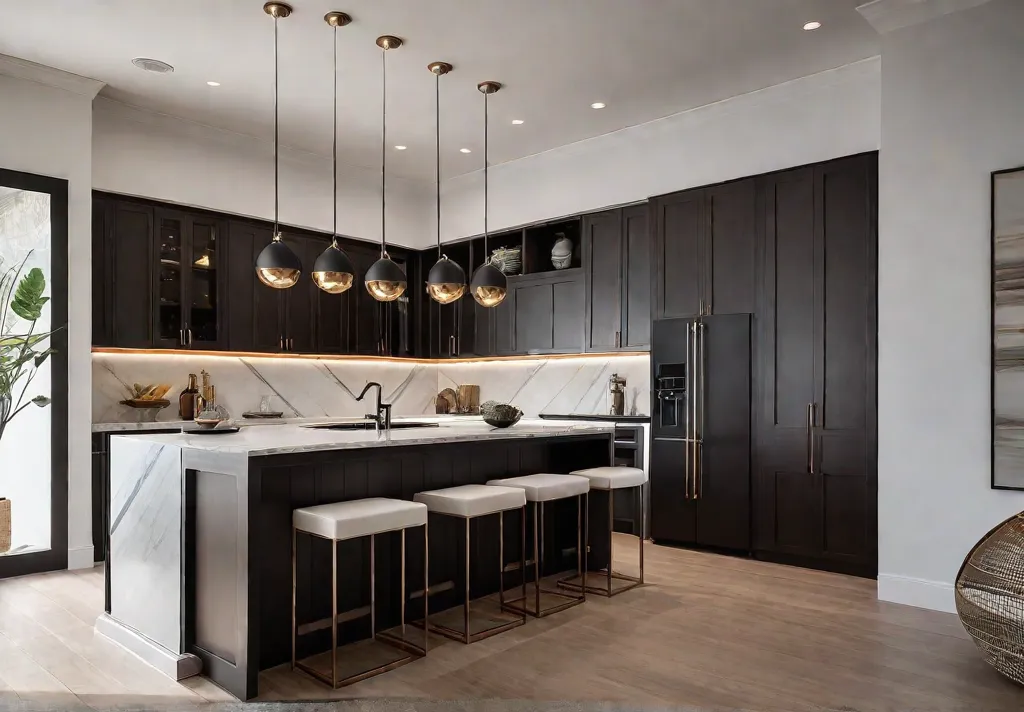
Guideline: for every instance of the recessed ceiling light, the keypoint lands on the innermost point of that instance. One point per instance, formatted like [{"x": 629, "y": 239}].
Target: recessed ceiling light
[
  {"x": 464, "y": 150},
  {"x": 401, "y": 148},
  {"x": 517, "y": 122},
  {"x": 812, "y": 25},
  {"x": 152, "y": 65},
  {"x": 213, "y": 84},
  {"x": 597, "y": 105}
]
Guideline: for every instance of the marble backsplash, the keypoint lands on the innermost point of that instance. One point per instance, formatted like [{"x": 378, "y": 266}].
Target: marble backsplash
[{"x": 311, "y": 388}]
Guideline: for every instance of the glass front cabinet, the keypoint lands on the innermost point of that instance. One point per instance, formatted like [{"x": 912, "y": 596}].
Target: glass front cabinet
[{"x": 189, "y": 281}]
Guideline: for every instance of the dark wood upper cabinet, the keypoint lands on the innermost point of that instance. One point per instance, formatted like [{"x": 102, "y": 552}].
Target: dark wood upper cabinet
[
  {"x": 102, "y": 268},
  {"x": 731, "y": 209},
  {"x": 679, "y": 229},
  {"x": 636, "y": 289},
  {"x": 298, "y": 300},
  {"x": 706, "y": 241},
  {"x": 132, "y": 278},
  {"x": 603, "y": 242},
  {"x": 617, "y": 269},
  {"x": 254, "y": 309},
  {"x": 816, "y": 483},
  {"x": 545, "y": 313}
]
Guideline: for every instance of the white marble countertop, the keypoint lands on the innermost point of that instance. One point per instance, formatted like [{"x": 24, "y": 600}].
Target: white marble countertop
[
  {"x": 258, "y": 440},
  {"x": 249, "y": 422}
]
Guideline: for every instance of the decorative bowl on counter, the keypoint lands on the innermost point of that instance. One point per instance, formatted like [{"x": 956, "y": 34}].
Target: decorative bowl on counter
[{"x": 500, "y": 415}]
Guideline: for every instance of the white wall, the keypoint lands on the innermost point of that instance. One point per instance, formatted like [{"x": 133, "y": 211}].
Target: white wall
[
  {"x": 48, "y": 131},
  {"x": 953, "y": 111},
  {"x": 826, "y": 115},
  {"x": 155, "y": 156}
]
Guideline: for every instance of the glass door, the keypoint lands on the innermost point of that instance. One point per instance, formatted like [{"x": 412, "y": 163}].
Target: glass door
[
  {"x": 202, "y": 325},
  {"x": 33, "y": 373},
  {"x": 170, "y": 287}
]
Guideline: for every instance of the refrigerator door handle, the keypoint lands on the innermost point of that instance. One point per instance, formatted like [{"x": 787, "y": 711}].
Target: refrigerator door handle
[
  {"x": 698, "y": 484},
  {"x": 694, "y": 402},
  {"x": 810, "y": 438},
  {"x": 686, "y": 411}
]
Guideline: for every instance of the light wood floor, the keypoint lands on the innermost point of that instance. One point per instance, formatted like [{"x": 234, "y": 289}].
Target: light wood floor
[{"x": 706, "y": 631}]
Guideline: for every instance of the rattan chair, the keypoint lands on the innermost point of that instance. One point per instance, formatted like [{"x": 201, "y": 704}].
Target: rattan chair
[{"x": 990, "y": 597}]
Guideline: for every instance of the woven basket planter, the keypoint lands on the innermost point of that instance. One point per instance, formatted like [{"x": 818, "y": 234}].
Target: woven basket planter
[
  {"x": 990, "y": 597},
  {"x": 5, "y": 526}
]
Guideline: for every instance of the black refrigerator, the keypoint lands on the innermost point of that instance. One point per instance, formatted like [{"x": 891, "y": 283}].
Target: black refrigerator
[{"x": 700, "y": 452}]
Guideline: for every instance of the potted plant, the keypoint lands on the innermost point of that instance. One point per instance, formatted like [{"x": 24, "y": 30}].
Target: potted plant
[{"x": 22, "y": 352}]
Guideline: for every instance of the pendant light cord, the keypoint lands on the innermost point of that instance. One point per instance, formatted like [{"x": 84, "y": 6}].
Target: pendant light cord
[
  {"x": 383, "y": 148},
  {"x": 277, "y": 227},
  {"x": 437, "y": 164},
  {"x": 486, "y": 203},
  {"x": 334, "y": 237}
]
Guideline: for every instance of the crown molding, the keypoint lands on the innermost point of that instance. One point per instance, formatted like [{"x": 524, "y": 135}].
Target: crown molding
[
  {"x": 56, "y": 78},
  {"x": 889, "y": 15}
]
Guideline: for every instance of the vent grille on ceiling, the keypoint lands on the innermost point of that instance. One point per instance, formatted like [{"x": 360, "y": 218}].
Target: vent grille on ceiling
[{"x": 152, "y": 65}]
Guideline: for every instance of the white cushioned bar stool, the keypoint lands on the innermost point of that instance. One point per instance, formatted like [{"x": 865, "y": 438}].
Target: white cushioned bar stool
[
  {"x": 351, "y": 520},
  {"x": 469, "y": 502},
  {"x": 539, "y": 489},
  {"x": 610, "y": 479}
]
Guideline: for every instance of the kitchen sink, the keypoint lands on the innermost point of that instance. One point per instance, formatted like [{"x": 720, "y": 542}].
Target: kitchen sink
[{"x": 370, "y": 425}]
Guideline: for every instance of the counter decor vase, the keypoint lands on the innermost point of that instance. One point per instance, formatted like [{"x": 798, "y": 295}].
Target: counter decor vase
[
  {"x": 561, "y": 252},
  {"x": 5, "y": 525},
  {"x": 989, "y": 596}
]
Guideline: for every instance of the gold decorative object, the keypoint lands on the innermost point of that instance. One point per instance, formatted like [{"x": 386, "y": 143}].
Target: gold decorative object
[{"x": 990, "y": 597}]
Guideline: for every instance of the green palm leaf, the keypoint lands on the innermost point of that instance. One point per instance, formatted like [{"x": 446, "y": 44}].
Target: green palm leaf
[{"x": 28, "y": 298}]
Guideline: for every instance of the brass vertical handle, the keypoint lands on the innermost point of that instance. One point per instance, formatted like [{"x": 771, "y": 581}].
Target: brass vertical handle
[
  {"x": 181, "y": 337},
  {"x": 814, "y": 424},
  {"x": 280, "y": 343},
  {"x": 699, "y": 436},
  {"x": 810, "y": 438},
  {"x": 694, "y": 400},
  {"x": 189, "y": 336},
  {"x": 618, "y": 339},
  {"x": 686, "y": 410}
]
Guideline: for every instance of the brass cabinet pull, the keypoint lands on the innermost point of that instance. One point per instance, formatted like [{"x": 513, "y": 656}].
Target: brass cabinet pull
[
  {"x": 189, "y": 336},
  {"x": 694, "y": 396},
  {"x": 814, "y": 421},
  {"x": 618, "y": 339},
  {"x": 810, "y": 438}
]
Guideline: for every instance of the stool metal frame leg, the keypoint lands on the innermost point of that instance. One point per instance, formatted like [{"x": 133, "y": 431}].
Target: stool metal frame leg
[
  {"x": 520, "y": 605},
  {"x": 397, "y": 641},
  {"x": 464, "y": 636},
  {"x": 610, "y": 574}
]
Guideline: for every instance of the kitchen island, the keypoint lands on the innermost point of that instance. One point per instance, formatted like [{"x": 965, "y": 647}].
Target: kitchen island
[{"x": 199, "y": 570}]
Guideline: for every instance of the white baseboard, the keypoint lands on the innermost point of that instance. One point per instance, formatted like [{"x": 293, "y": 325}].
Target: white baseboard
[
  {"x": 80, "y": 558},
  {"x": 174, "y": 666},
  {"x": 922, "y": 593}
]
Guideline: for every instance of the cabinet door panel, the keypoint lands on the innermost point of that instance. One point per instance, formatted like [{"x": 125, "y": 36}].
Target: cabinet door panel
[
  {"x": 636, "y": 326},
  {"x": 367, "y": 312},
  {"x": 787, "y": 365},
  {"x": 567, "y": 315},
  {"x": 503, "y": 319},
  {"x": 171, "y": 266},
  {"x": 602, "y": 254},
  {"x": 732, "y": 247},
  {"x": 534, "y": 318},
  {"x": 133, "y": 277},
  {"x": 680, "y": 233},
  {"x": 299, "y": 299},
  {"x": 102, "y": 309},
  {"x": 243, "y": 245},
  {"x": 268, "y": 305},
  {"x": 205, "y": 273}
]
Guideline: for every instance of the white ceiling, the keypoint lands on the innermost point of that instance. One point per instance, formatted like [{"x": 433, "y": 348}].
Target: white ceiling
[{"x": 645, "y": 58}]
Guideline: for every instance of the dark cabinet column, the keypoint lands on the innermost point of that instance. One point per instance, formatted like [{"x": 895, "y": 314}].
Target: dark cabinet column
[
  {"x": 603, "y": 267},
  {"x": 636, "y": 288},
  {"x": 205, "y": 282},
  {"x": 133, "y": 277},
  {"x": 680, "y": 225},
  {"x": 816, "y": 484},
  {"x": 298, "y": 300},
  {"x": 366, "y": 329},
  {"x": 170, "y": 255}
]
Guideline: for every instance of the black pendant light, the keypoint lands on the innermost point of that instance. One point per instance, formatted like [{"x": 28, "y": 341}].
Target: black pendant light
[
  {"x": 385, "y": 280},
  {"x": 489, "y": 285},
  {"x": 446, "y": 281},
  {"x": 277, "y": 266},
  {"x": 333, "y": 271}
]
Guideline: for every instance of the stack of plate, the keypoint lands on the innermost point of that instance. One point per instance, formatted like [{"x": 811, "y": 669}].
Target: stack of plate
[{"x": 508, "y": 259}]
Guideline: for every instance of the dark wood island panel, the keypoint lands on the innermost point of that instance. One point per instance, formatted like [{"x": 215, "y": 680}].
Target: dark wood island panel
[{"x": 238, "y": 544}]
